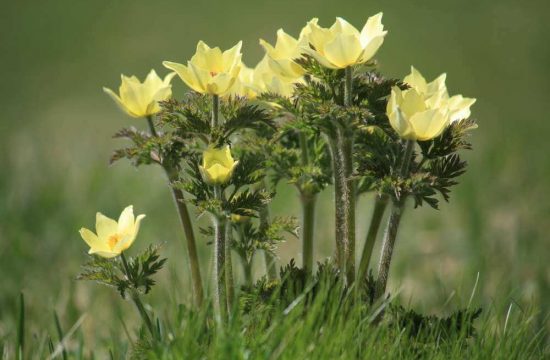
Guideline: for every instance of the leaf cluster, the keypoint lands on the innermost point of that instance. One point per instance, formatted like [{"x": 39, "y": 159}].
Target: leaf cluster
[{"x": 136, "y": 275}]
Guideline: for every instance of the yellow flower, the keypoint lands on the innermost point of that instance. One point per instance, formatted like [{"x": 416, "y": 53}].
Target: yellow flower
[
  {"x": 281, "y": 56},
  {"x": 112, "y": 237},
  {"x": 141, "y": 99},
  {"x": 210, "y": 71},
  {"x": 217, "y": 165},
  {"x": 459, "y": 106},
  {"x": 262, "y": 79},
  {"x": 415, "y": 117},
  {"x": 342, "y": 45}
]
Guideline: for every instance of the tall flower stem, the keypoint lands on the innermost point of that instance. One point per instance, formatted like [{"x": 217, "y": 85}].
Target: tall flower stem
[
  {"x": 391, "y": 229},
  {"x": 308, "y": 224},
  {"x": 270, "y": 261},
  {"x": 229, "y": 282},
  {"x": 137, "y": 301},
  {"x": 308, "y": 201},
  {"x": 344, "y": 190},
  {"x": 185, "y": 220},
  {"x": 220, "y": 290},
  {"x": 380, "y": 205}
]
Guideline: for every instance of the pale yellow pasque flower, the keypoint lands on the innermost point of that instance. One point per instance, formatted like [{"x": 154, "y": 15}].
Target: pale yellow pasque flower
[
  {"x": 459, "y": 106},
  {"x": 217, "y": 165},
  {"x": 414, "y": 116},
  {"x": 342, "y": 45},
  {"x": 112, "y": 237},
  {"x": 281, "y": 56},
  {"x": 210, "y": 71},
  {"x": 141, "y": 99},
  {"x": 262, "y": 79}
]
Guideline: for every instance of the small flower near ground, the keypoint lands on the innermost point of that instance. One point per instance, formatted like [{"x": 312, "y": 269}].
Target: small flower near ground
[
  {"x": 112, "y": 237},
  {"x": 210, "y": 71},
  {"x": 217, "y": 165},
  {"x": 342, "y": 45},
  {"x": 141, "y": 99}
]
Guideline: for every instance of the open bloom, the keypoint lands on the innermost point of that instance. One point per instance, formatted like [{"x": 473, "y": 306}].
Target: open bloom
[
  {"x": 414, "y": 116},
  {"x": 342, "y": 45},
  {"x": 436, "y": 91},
  {"x": 141, "y": 99},
  {"x": 217, "y": 165},
  {"x": 210, "y": 71},
  {"x": 262, "y": 79},
  {"x": 281, "y": 56},
  {"x": 112, "y": 237}
]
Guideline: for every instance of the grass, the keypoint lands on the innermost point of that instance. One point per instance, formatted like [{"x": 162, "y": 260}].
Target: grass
[{"x": 331, "y": 325}]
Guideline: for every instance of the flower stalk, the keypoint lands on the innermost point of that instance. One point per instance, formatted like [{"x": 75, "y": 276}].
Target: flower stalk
[
  {"x": 308, "y": 199},
  {"x": 229, "y": 282},
  {"x": 137, "y": 301},
  {"x": 392, "y": 227},
  {"x": 344, "y": 191},
  {"x": 380, "y": 205},
  {"x": 220, "y": 286},
  {"x": 185, "y": 220}
]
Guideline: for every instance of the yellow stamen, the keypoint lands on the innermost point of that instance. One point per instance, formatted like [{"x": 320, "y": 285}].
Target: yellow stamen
[{"x": 113, "y": 240}]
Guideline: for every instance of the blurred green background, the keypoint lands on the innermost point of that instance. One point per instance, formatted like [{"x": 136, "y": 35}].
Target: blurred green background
[{"x": 56, "y": 128}]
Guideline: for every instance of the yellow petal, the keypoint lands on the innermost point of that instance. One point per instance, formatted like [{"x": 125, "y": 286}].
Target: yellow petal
[
  {"x": 232, "y": 57},
  {"x": 119, "y": 102},
  {"x": 341, "y": 26},
  {"x": 105, "y": 226},
  {"x": 126, "y": 221},
  {"x": 416, "y": 80},
  {"x": 429, "y": 124},
  {"x": 400, "y": 124},
  {"x": 186, "y": 75},
  {"x": 370, "y": 49},
  {"x": 373, "y": 28},
  {"x": 460, "y": 107}
]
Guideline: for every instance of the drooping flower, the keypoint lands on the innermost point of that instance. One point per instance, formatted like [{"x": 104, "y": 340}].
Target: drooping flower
[
  {"x": 342, "y": 45},
  {"x": 414, "y": 116},
  {"x": 436, "y": 91},
  {"x": 217, "y": 165},
  {"x": 210, "y": 71},
  {"x": 141, "y": 99},
  {"x": 112, "y": 237},
  {"x": 281, "y": 57}
]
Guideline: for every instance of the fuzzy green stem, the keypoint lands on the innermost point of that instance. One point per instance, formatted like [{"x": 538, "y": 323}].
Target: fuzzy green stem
[
  {"x": 247, "y": 268},
  {"x": 348, "y": 90},
  {"x": 270, "y": 261},
  {"x": 308, "y": 201},
  {"x": 380, "y": 205},
  {"x": 229, "y": 282},
  {"x": 308, "y": 225},
  {"x": 185, "y": 220},
  {"x": 215, "y": 110},
  {"x": 137, "y": 301},
  {"x": 392, "y": 227},
  {"x": 220, "y": 291}
]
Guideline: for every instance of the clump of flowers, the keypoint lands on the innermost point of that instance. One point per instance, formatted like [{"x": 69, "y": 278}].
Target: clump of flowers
[{"x": 315, "y": 113}]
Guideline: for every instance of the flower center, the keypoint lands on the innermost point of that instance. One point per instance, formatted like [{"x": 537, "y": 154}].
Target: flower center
[
  {"x": 113, "y": 240},
  {"x": 213, "y": 73}
]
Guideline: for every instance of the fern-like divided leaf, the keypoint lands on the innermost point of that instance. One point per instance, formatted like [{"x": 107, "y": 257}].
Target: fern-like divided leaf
[{"x": 112, "y": 272}]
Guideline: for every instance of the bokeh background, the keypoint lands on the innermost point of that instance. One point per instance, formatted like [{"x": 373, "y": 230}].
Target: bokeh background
[{"x": 56, "y": 126}]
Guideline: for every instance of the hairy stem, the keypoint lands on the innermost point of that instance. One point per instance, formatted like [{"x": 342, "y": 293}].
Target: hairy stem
[
  {"x": 308, "y": 201},
  {"x": 137, "y": 301},
  {"x": 344, "y": 201},
  {"x": 348, "y": 90},
  {"x": 220, "y": 291},
  {"x": 270, "y": 261},
  {"x": 380, "y": 205},
  {"x": 308, "y": 225},
  {"x": 229, "y": 282},
  {"x": 215, "y": 110},
  {"x": 185, "y": 220},
  {"x": 391, "y": 229}
]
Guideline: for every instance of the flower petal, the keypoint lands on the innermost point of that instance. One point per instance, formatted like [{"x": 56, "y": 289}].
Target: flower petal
[{"x": 105, "y": 227}]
